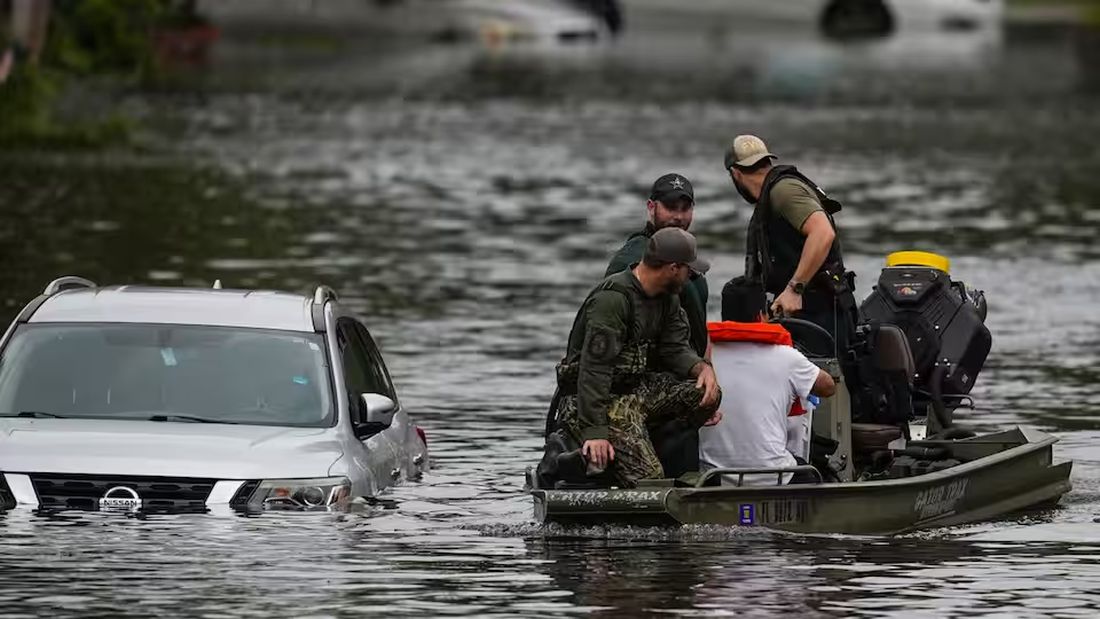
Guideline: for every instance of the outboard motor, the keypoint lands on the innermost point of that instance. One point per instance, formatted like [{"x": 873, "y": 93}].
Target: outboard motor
[{"x": 944, "y": 322}]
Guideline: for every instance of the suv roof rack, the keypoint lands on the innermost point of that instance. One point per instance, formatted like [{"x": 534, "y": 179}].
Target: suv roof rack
[
  {"x": 321, "y": 295},
  {"x": 68, "y": 282}
]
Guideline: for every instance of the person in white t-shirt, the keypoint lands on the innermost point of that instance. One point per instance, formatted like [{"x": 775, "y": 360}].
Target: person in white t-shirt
[{"x": 762, "y": 375}]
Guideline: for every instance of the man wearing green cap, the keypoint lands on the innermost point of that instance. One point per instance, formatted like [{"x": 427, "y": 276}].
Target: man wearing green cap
[
  {"x": 629, "y": 364},
  {"x": 792, "y": 249}
]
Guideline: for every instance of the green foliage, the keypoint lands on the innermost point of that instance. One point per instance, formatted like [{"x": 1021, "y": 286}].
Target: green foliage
[
  {"x": 25, "y": 102},
  {"x": 103, "y": 36},
  {"x": 26, "y": 118},
  {"x": 85, "y": 38},
  {"x": 1089, "y": 10},
  {"x": 1092, "y": 14},
  {"x": 28, "y": 123}
]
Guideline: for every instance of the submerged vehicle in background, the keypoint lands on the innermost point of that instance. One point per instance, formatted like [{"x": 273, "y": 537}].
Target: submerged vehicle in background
[
  {"x": 145, "y": 399},
  {"x": 837, "y": 18},
  {"x": 886, "y": 453},
  {"x": 546, "y": 21},
  {"x": 492, "y": 21}
]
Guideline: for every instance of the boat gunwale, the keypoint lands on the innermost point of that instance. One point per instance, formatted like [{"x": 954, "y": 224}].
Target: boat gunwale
[
  {"x": 1033, "y": 441},
  {"x": 1031, "y": 444}
]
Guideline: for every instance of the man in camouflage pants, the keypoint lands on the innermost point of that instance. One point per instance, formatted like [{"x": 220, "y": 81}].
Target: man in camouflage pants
[{"x": 629, "y": 364}]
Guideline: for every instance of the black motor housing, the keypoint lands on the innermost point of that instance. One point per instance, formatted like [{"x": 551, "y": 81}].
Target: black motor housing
[{"x": 943, "y": 321}]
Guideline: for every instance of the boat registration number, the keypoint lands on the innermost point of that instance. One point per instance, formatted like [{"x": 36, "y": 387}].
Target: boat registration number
[{"x": 774, "y": 512}]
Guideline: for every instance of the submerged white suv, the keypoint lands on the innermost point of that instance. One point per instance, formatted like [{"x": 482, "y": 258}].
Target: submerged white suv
[{"x": 183, "y": 399}]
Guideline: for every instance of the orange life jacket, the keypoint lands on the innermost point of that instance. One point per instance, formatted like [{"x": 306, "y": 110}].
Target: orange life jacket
[{"x": 758, "y": 333}]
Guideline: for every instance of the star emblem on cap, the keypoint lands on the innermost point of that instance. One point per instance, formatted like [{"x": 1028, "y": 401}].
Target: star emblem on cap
[{"x": 677, "y": 183}]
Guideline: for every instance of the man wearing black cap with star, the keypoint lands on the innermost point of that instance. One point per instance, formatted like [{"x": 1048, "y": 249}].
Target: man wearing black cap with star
[
  {"x": 629, "y": 365},
  {"x": 671, "y": 204}
]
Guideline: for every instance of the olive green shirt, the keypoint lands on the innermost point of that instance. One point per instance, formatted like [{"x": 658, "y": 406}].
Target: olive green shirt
[
  {"x": 693, "y": 298},
  {"x": 601, "y": 337},
  {"x": 794, "y": 201}
]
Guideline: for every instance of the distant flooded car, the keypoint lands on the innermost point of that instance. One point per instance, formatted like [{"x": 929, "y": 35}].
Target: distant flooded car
[
  {"x": 834, "y": 17},
  {"x": 492, "y": 21},
  {"x": 179, "y": 399},
  {"x": 534, "y": 20},
  {"x": 855, "y": 17}
]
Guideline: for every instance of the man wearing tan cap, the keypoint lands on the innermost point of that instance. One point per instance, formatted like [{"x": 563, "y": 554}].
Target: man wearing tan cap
[
  {"x": 792, "y": 248},
  {"x": 629, "y": 365}
]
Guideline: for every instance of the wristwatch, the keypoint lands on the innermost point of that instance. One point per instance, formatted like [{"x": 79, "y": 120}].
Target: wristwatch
[{"x": 797, "y": 287}]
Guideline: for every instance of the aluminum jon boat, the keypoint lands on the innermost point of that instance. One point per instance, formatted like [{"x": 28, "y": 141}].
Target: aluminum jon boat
[
  {"x": 890, "y": 472},
  {"x": 998, "y": 474}
]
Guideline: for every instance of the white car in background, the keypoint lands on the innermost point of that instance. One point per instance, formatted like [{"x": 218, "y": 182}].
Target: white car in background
[
  {"x": 493, "y": 21},
  {"x": 834, "y": 17},
  {"x": 147, "y": 399},
  {"x": 534, "y": 20}
]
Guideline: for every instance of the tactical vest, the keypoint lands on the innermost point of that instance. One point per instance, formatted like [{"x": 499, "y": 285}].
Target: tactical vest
[
  {"x": 633, "y": 360},
  {"x": 774, "y": 246}
]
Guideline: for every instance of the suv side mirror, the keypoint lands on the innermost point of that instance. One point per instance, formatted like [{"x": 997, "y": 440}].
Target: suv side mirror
[{"x": 379, "y": 408}]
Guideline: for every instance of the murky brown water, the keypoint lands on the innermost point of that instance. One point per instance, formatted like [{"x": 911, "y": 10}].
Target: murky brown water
[{"x": 464, "y": 200}]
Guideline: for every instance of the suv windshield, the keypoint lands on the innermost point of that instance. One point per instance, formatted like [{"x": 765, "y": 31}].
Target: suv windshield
[{"x": 166, "y": 373}]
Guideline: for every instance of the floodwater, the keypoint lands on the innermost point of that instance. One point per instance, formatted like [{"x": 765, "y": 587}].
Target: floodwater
[{"x": 464, "y": 198}]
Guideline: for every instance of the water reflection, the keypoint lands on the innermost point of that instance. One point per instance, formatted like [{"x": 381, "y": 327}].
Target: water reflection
[
  {"x": 396, "y": 565},
  {"x": 767, "y": 575}
]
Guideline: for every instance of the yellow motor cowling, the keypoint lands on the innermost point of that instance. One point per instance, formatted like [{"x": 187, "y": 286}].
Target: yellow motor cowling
[{"x": 919, "y": 259}]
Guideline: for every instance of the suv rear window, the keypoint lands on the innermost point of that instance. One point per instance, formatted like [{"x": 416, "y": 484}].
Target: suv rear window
[{"x": 138, "y": 371}]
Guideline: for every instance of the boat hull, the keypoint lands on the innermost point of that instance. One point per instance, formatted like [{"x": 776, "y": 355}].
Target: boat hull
[{"x": 1002, "y": 473}]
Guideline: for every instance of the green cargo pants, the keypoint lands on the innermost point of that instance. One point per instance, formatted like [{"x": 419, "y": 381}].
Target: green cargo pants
[{"x": 659, "y": 397}]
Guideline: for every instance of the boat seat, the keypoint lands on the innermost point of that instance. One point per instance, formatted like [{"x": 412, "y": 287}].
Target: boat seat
[
  {"x": 892, "y": 351},
  {"x": 870, "y": 437},
  {"x": 886, "y": 377}
]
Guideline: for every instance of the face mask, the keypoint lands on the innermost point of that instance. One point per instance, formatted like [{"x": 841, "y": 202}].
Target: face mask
[{"x": 744, "y": 192}]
